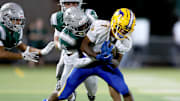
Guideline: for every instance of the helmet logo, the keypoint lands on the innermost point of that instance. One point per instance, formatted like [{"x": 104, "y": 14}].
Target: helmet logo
[{"x": 121, "y": 13}]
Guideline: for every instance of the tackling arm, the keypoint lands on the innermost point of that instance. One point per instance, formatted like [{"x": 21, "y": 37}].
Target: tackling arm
[
  {"x": 9, "y": 55},
  {"x": 56, "y": 39},
  {"x": 32, "y": 54},
  {"x": 43, "y": 51},
  {"x": 23, "y": 47},
  {"x": 86, "y": 48}
]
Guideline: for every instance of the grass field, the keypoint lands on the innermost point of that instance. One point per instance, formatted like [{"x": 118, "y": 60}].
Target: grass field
[{"x": 20, "y": 83}]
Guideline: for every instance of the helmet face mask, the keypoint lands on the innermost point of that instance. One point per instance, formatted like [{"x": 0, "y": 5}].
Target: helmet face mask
[
  {"x": 12, "y": 16},
  {"x": 82, "y": 30},
  {"x": 64, "y": 4},
  {"x": 77, "y": 21},
  {"x": 122, "y": 23}
]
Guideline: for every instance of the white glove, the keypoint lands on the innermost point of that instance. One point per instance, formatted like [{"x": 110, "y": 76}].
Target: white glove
[
  {"x": 30, "y": 56},
  {"x": 48, "y": 48}
]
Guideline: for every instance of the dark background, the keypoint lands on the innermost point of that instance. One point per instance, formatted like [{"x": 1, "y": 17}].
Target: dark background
[{"x": 160, "y": 12}]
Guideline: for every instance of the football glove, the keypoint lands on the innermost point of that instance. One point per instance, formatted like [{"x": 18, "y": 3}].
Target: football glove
[
  {"x": 105, "y": 54},
  {"x": 48, "y": 48},
  {"x": 104, "y": 57},
  {"x": 105, "y": 47},
  {"x": 30, "y": 56}
]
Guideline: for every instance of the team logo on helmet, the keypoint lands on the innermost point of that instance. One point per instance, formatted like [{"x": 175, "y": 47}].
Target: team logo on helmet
[{"x": 122, "y": 23}]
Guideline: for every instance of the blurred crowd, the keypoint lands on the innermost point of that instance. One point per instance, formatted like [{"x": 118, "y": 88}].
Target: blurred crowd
[{"x": 37, "y": 36}]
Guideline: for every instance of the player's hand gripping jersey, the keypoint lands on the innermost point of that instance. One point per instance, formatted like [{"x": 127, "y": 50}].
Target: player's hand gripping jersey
[{"x": 100, "y": 32}]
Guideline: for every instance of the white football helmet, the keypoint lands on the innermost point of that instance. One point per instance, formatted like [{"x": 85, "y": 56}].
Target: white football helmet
[
  {"x": 10, "y": 13},
  {"x": 63, "y": 8},
  {"x": 77, "y": 21}
]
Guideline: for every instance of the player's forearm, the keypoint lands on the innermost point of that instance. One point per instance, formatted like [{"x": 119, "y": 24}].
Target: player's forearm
[
  {"x": 86, "y": 48},
  {"x": 10, "y": 55},
  {"x": 116, "y": 61},
  {"x": 56, "y": 42},
  {"x": 32, "y": 49},
  {"x": 23, "y": 47},
  {"x": 89, "y": 51}
]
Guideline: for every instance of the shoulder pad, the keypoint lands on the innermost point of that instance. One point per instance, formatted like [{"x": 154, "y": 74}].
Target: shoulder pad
[
  {"x": 53, "y": 19},
  {"x": 101, "y": 24},
  {"x": 56, "y": 18},
  {"x": 98, "y": 29}
]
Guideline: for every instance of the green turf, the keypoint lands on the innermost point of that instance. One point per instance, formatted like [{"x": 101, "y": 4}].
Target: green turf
[{"x": 35, "y": 84}]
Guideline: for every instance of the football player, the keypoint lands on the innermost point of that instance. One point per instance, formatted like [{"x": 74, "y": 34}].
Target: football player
[
  {"x": 12, "y": 21},
  {"x": 58, "y": 23},
  {"x": 77, "y": 24},
  {"x": 105, "y": 44}
]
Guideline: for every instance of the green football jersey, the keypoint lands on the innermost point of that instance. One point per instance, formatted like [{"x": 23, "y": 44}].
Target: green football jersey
[
  {"x": 67, "y": 39},
  {"x": 9, "y": 38}
]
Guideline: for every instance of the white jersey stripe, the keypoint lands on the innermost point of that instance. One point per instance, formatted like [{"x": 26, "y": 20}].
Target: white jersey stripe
[
  {"x": 1, "y": 43},
  {"x": 53, "y": 19},
  {"x": 3, "y": 33},
  {"x": 67, "y": 38}
]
